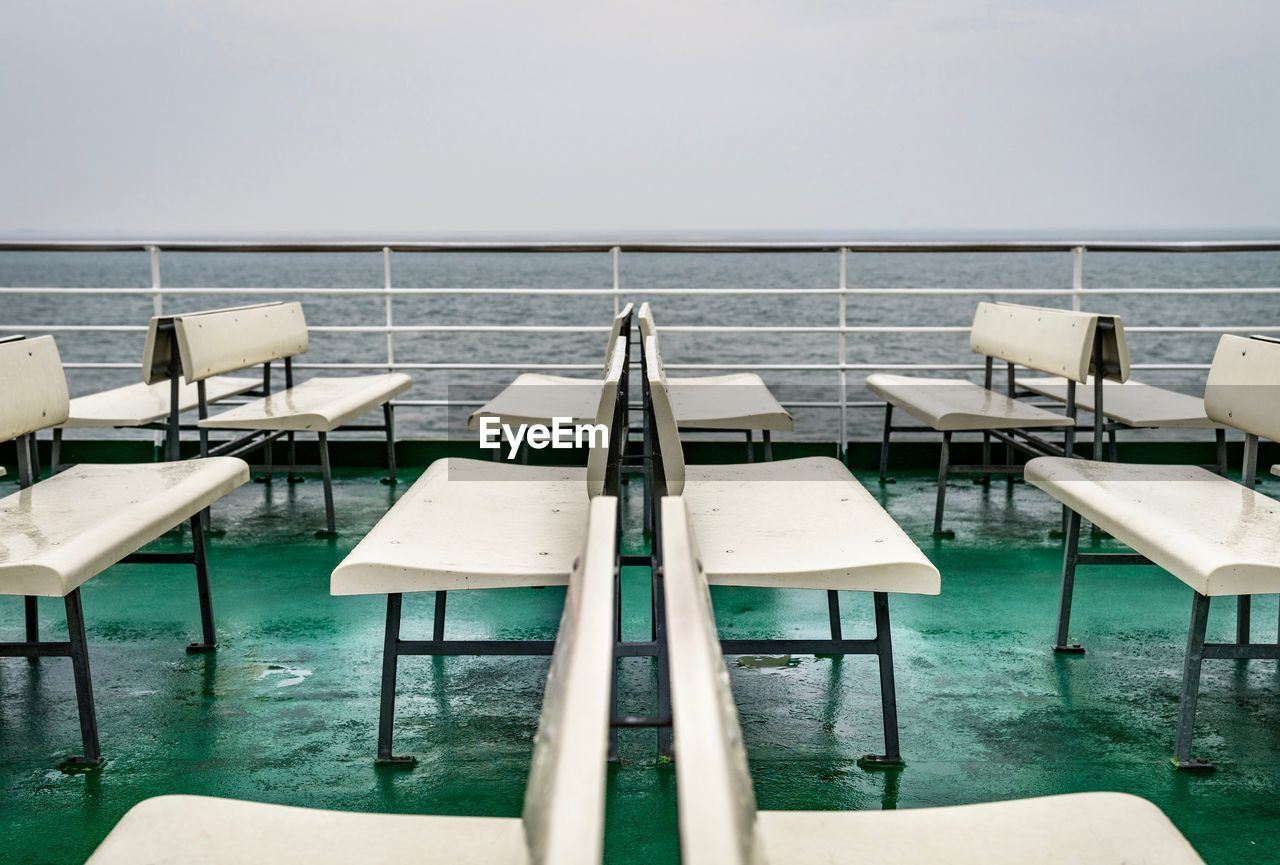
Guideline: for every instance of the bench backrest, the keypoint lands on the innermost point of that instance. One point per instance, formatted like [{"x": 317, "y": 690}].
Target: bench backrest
[
  {"x": 621, "y": 327},
  {"x": 1055, "y": 341},
  {"x": 564, "y": 799},
  {"x": 668, "y": 456},
  {"x": 224, "y": 340},
  {"x": 35, "y": 388},
  {"x": 713, "y": 784},
  {"x": 1243, "y": 389},
  {"x": 648, "y": 327},
  {"x": 603, "y": 463}
]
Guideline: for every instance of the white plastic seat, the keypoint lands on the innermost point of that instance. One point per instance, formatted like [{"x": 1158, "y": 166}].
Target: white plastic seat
[
  {"x": 1132, "y": 403},
  {"x": 735, "y": 401},
  {"x": 140, "y": 404},
  {"x": 1217, "y": 536},
  {"x": 320, "y": 404},
  {"x": 563, "y": 818},
  {"x": 719, "y": 823},
  {"x": 803, "y": 523},
  {"x": 440, "y": 535},
  {"x": 959, "y": 405},
  {"x": 57, "y": 533},
  {"x": 1059, "y": 342},
  {"x": 537, "y": 398},
  {"x": 61, "y": 531},
  {"x": 203, "y": 345},
  {"x": 1210, "y": 532}
]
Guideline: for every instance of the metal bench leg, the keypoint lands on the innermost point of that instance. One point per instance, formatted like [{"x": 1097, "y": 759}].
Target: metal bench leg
[
  {"x": 293, "y": 477},
  {"x": 944, "y": 464},
  {"x": 437, "y": 622},
  {"x": 210, "y": 636},
  {"x": 985, "y": 480},
  {"x": 1070, "y": 555},
  {"x": 389, "y": 420},
  {"x": 1220, "y": 439},
  {"x": 91, "y": 758},
  {"x": 1182, "y": 758},
  {"x": 1113, "y": 450},
  {"x": 326, "y": 473},
  {"x": 768, "y": 445},
  {"x": 32, "y": 616},
  {"x": 892, "y": 756},
  {"x": 665, "y": 749},
  {"x": 387, "y": 706},
  {"x": 833, "y": 612},
  {"x": 1244, "y": 610},
  {"x": 751, "y": 447},
  {"x": 55, "y": 453},
  {"x": 884, "y": 443}
]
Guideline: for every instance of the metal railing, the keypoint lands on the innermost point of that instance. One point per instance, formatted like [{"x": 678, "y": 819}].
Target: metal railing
[{"x": 841, "y": 292}]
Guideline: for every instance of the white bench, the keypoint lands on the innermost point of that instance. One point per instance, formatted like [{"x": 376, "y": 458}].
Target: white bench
[
  {"x": 1134, "y": 405},
  {"x": 202, "y": 345},
  {"x": 1217, "y": 536},
  {"x": 440, "y": 537},
  {"x": 719, "y": 822},
  {"x": 142, "y": 405},
  {"x": 563, "y": 818},
  {"x": 58, "y": 533},
  {"x": 538, "y": 398},
  {"x": 1055, "y": 341},
  {"x": 799, "y": 524},
  {"x": 739, "y": 401}
]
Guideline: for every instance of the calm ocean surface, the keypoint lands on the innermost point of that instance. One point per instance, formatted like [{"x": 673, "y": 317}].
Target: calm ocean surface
[{"x": 785, "y": 271}]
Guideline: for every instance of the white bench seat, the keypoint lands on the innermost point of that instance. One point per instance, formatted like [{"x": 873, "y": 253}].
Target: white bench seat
[
  {"x": 321, "y": 404},
  {"x": 141, "y": 404},
  {"x": 801, "y": 523},
  {"x": 1210, "y": 532},
  {"x": 202, "y": 830},
  {"x": 473, "y": 524},
  {"x": 959, "y": 405},
  {"x": 64, "y": 530},
  {"x": 737, "y": 401},
  {"x": 1097, "y": 828},
  {"x": 536, "y": 398},
  {"x": 1132, "y": 403}
]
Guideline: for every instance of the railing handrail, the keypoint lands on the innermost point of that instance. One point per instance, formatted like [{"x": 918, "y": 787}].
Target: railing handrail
[{"x": 655, "y": 246}]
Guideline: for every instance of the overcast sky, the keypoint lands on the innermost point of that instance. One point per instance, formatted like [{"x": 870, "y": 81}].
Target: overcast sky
[{"x": 428, "y": 118}]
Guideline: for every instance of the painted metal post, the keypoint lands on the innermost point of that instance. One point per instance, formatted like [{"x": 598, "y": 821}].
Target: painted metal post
[
  {"x": 842, "y": 353},
  {"x": 616, "y": 254},
  {"x": 157, "y": 304},
  {"x": 1077, "y": 278},
  {"x": 386, "y": 299}
]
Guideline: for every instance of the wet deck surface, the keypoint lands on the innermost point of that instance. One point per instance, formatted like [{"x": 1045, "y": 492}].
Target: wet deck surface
[{"x": 286, "y": 710}]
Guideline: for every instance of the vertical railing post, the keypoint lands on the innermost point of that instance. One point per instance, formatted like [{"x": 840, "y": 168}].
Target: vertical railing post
[
  {"x": 1077, "y": 278},
  {"x": 157, "y": 304},
  {"x": 842, "y": 353},
  {"x": 616, "y": 254},
  {"x": 386, "y": 301}
]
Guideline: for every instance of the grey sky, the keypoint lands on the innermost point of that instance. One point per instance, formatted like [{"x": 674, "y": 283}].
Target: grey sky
[{"x": 243, "y": 117}]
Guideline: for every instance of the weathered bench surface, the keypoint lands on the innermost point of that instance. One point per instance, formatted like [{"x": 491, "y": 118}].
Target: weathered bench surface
[
  {"x": 1215, "y": 535},
  {"x": 142, "y": 404},
  {"x": 64, "y": 530},
  {"x": 201, "y": 830},
  {"x": 321, "y": 404},
  {"x": 803, "y": 523},
  {"x": 473, "y": 524},
  {"x": 956, "y": 404},
  {"x": 1132, "y": 403},
  {"x": 1098, "y": 828},
  {"x": 537, "y": 398},
  {"x": 735, "y": 401}
]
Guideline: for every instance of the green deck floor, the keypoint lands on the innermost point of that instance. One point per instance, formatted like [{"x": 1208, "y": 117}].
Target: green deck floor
[{"x": 286, "y": 710}]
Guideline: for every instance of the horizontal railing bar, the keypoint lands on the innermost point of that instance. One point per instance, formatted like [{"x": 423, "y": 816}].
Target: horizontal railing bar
[
  {"x": 555, "y": 328},
  {"x": 869, "y": 246},
  {"x": 595, "y": 367},
  {"x": 602, "y": 292}
]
